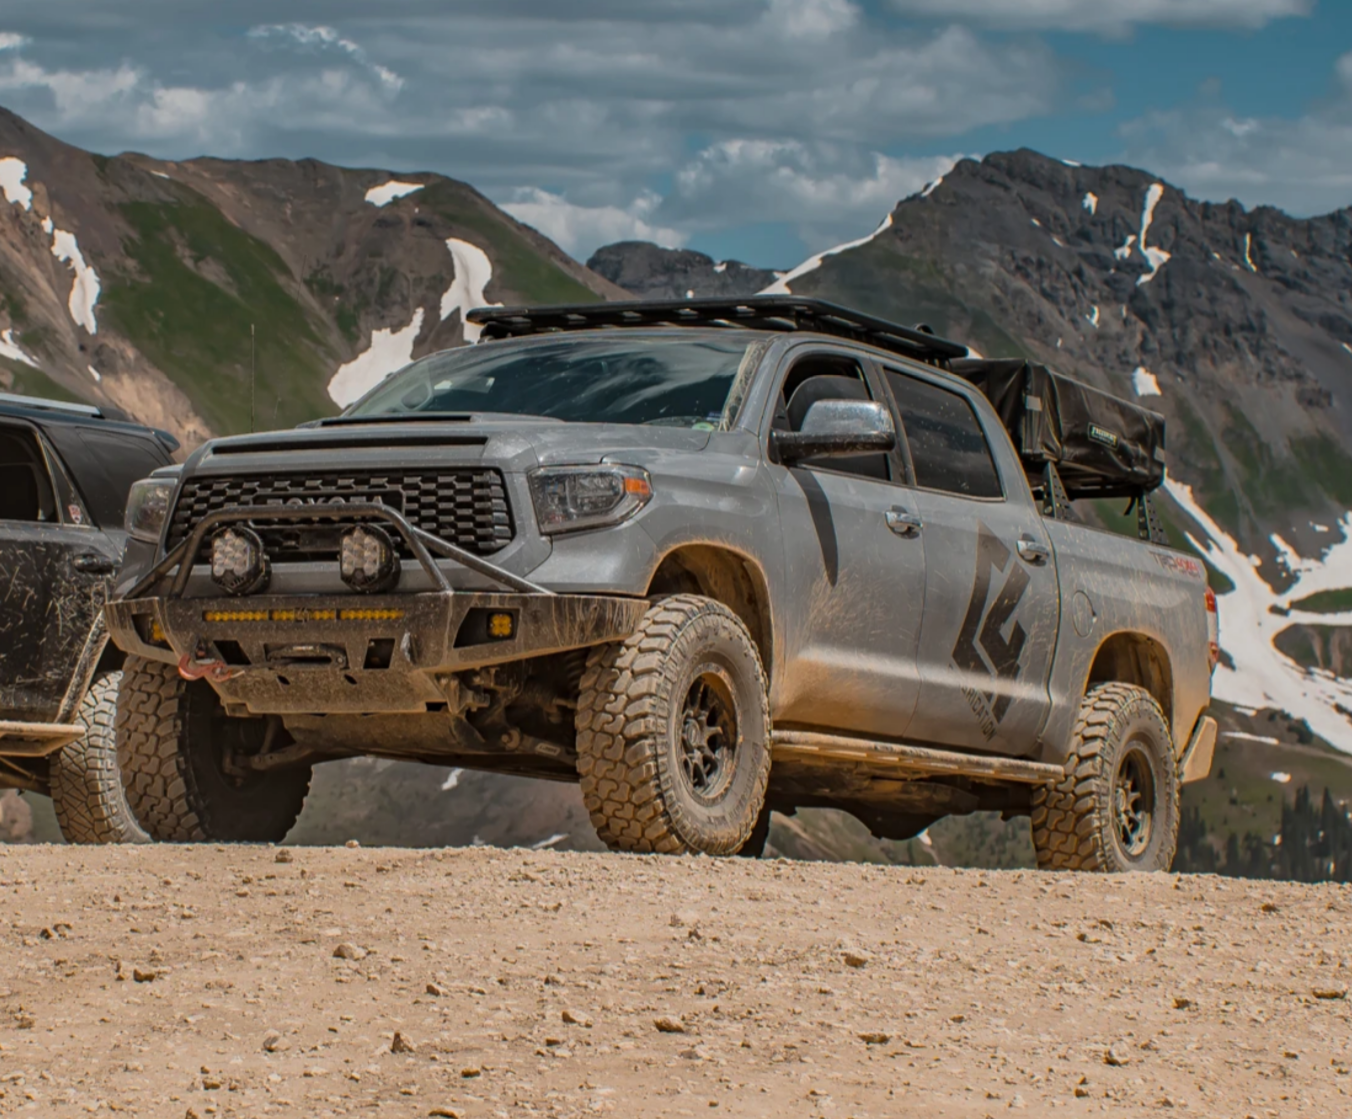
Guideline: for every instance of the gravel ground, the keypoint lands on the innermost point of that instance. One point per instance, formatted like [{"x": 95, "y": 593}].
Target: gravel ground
[{"x": 181, "y": 981}]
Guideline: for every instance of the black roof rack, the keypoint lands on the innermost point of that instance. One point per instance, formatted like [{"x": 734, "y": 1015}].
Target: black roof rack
[{"x": 761, "y": 312}]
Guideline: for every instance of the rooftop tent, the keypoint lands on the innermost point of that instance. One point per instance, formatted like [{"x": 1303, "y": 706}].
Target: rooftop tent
[{"x": 1101, "y": 445}]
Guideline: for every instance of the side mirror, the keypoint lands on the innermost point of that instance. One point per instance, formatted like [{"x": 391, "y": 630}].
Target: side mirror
[{"x": 837, "y": 427}]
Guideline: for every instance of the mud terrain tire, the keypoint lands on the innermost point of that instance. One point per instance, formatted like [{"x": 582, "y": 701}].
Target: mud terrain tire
[
  {"x": 170, "y": 736},
  {"x": 85, "y": 778},
  {"x": 1117, "y": 808},
  {"x": 673, "y": 732}
]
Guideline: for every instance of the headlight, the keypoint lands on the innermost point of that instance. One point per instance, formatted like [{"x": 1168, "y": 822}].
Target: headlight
[
  {"x": 568, "y": 498},
  {"x": 148, "y": 507}
]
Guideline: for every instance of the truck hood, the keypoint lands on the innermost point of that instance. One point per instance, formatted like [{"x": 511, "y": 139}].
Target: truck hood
[{"x": 510, "y": 444}]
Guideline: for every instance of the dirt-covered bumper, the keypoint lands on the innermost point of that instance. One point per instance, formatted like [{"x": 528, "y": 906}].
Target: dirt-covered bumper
[{"x": 348, "y": 654}]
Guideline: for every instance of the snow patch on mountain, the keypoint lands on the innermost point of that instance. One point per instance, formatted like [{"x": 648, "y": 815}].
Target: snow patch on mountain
[
  {"x": 390, "y": 351},
  {"x": 473, "y": 271},
  {"x": 12, "y": 174},
  {"x": 1124, "y": 250},
  {"x": 1248, "y": 252},
  {"x": 781, "y": 285},
  {"x": 1093, "y": 317},
  {"x": 386, "y": 193},
  {"x": 1347, "y": 348},
  {"x": 1158, "y": 257},
  {"x": 1090, "y": 202},
  {"x": 12, "y": 350},
  {"x": 931, "y": 187},
  {"x": 721, "y": 266},
  {"x": 1145, "y": 382},
  {"x": 84, "y": 293},
  {"x": 1260, "y": 675}
]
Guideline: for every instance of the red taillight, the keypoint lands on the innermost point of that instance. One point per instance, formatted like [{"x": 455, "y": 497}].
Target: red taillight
[{"x": 1212, "y": 631}]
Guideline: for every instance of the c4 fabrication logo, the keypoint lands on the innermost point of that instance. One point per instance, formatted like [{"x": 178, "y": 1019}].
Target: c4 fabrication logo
[{"x": 982, "y": 646}]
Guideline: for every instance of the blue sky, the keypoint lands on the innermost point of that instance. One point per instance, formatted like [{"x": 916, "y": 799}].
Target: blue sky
[{"x": 756, "y": 129}]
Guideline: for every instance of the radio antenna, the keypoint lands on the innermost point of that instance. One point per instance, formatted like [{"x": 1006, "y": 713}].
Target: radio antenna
[{"x": 253, "y": 378}]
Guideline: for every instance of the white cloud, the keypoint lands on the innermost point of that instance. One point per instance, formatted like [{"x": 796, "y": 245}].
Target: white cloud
[
  {"x": 580, "y": 230},
  {"x": 1302, "y": 165},
  {"x": 815, "y": 18},
  {"x": 322, "y": 37},
  {"x": 827, "y": 192},
  {"x": 1111, "y": 16},
  {"x": 10, "y": 41}
]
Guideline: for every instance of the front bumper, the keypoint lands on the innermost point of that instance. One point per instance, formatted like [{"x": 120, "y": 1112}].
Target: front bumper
[{"x": 350, "y": 654}]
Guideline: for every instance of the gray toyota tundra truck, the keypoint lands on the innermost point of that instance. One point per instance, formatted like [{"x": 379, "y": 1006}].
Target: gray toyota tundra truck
[{"x": 708, "y": 559}]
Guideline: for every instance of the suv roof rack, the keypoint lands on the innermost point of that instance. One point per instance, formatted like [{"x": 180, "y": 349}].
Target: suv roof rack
[
  {"x": 51, "y": 405},
  {"x": 761, "y": 312}
]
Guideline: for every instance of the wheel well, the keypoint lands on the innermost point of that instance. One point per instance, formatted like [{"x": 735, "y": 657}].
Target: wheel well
[
  {"x": 110, "y": 660},
  {"x": 1133, "y": 658},
  {"x": 726, "y": 577}
]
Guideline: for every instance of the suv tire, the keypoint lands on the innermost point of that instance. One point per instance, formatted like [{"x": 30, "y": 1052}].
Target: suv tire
[
  {"x": 171, "y": 737},
  {"x": 1117, "y": 808},
  {"x": 673, "y": 732},
  {"x": 85, "y": 778}
]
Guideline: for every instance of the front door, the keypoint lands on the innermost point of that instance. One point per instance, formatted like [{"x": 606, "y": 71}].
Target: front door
[
  {"x": 991, "y": 597},
  {"x": 50, "y": 571},
  {"x": 851, "y": 642}
]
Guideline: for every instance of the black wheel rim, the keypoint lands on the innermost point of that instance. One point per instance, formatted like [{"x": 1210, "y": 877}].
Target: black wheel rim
[
  {"x": 707, "y": 734},
  {"x": 1134, "y": 801}
]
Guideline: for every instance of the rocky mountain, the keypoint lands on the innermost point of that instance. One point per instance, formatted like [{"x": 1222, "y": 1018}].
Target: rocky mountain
[
  {"x": 154, "y": 286},
  {"x": 653, "y": 272}
]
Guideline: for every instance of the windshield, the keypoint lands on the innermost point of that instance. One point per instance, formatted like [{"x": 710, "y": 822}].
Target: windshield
[{"x": 676, "y": 381}]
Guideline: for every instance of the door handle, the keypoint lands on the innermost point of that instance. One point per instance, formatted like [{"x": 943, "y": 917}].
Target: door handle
[
  {"x": 1032, "y": 551},
  {"x": 91, "y": 563},
  {"x": 903, "y": 523}
]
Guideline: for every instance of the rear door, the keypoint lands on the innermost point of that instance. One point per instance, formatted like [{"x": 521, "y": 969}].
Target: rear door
[
  {"x": 853, "y": 634},
  {"x": 991, "y": 596},
  {"x": 52, "y": 566}
]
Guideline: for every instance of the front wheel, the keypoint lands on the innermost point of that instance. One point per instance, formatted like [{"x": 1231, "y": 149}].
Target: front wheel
[
  {"x": 177, "y": 744},
  {"x": 673, "y": 733},
  {"x": 85, "y": 778},
  {"x": 1117, "y": 807}
]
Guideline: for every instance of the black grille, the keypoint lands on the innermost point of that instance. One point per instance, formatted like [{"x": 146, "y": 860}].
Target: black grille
[{"x": 467, "y": 507}]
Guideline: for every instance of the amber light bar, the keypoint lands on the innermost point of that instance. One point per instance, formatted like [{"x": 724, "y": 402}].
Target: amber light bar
[{"x": 360, "y": 614}]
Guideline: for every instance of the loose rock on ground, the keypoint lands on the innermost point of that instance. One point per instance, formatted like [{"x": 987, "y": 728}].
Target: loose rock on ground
[{"x": 541, "y": 983}]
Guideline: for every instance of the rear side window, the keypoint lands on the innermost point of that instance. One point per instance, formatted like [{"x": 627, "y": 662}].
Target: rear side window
[
  {"x": 105, "y": 464},
  {"x": 948, "y": 448}
]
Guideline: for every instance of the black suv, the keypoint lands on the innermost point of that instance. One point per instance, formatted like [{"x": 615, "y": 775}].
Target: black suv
[{"x": 65, "y": 470}]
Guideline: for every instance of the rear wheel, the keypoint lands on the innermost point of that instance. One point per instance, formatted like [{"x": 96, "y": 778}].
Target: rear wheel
[
  {"x": 177, "y": 745},
  {"x": 1117, "y": 808},
  {"x": 85, "y": 778},
  {"x": 673, "y": 733}
]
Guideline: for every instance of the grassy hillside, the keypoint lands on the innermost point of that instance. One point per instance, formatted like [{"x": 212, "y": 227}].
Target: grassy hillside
[{"x": 196, "y": 288}]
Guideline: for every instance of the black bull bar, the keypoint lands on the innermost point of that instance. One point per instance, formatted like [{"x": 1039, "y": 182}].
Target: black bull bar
[{"x": 352, "y": 653}]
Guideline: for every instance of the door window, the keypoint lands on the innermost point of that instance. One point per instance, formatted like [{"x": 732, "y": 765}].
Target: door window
[
  {"x": 25, "y": 488},
  {"x": 949, "y": 451},
  {"x": 827, "y": 377}
]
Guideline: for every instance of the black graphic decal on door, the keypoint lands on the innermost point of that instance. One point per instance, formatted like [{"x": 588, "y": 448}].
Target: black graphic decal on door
[{"x": 982, "y": 646}]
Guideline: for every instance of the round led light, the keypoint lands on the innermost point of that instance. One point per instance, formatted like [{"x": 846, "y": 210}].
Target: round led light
[
  {"x": 367, "y": 560},
  {"x": 238, "y": 563}
]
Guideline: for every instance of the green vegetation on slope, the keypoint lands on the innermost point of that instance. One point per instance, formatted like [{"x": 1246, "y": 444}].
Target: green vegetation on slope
[
  {"x": 200, "y": 284},
  {"x": 23, "y": 379},
  {"x": 879, "y": 280},
  {"x": 1326, "y": 602},
  {"x": 518, "y": 266}
]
